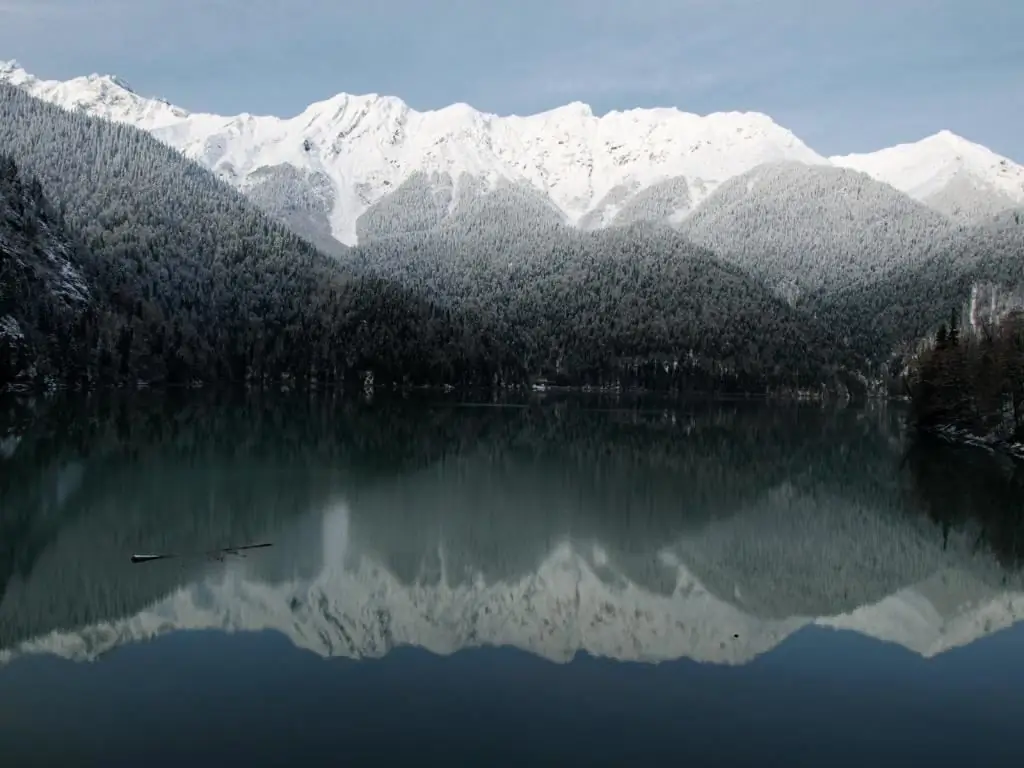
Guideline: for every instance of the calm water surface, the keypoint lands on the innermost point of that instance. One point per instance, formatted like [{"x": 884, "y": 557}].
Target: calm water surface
[{"x": 572, "y": 582}]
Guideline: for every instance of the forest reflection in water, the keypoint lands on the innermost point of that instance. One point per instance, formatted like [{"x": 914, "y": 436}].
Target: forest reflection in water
[{"x": 636, "y": 531}]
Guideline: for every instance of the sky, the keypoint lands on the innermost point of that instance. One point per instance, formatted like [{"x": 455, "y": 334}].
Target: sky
[{"x": 844, "y": 75}]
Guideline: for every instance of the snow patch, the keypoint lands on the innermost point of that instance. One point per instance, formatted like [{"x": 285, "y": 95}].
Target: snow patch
[
  {"x": 928, "y": 169},
  {"x": 10, "y": 329}
]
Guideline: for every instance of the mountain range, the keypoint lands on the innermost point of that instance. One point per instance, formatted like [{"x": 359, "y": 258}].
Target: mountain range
[
  {"x": 364, "y": 241},
  {"x": 338, "y": 166}
]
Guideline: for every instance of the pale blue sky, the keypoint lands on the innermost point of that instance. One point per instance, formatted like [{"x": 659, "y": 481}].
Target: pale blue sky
[{"x": 844, "y": 75}]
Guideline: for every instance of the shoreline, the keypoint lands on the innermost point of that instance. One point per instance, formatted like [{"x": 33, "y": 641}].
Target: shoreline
[{"x": 955, "y": 435}]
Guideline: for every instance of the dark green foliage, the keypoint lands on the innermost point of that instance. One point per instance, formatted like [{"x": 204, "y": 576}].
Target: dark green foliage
[
  {"x": 878, "y": 317},
  {"x": 962, "y": 488},
  {"x": 973, "y": 381},
  {"x": 637, "y": 305},
  {"x": 43, "y": 295}
]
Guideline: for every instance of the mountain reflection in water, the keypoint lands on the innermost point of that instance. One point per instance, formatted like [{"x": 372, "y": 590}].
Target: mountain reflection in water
[
  {"x": 687, "y": 567},
  {"x": 704, "y": 531}
]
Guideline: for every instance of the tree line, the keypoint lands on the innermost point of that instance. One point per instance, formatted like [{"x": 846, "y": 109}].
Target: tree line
[{"x": 973, "y": 378}]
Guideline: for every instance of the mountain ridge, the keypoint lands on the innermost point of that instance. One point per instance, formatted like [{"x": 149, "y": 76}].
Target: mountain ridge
[
  {"x": 357, "y": 149},
  {"x": 942, "y": 170}
]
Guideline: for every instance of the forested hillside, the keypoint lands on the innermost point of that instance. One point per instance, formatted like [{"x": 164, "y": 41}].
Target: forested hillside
[
  {"x": 122, "y": 262},
  {"x": 430, "y": 202},
  {"x": 42, "y": 290},
  {"x": 591, "y": 303},
  {"x": 193, "y": 282},
  {"x": 802, "y": 227},
  {"x": 302, "y": 201},
  {"x": 972, "y": 379},
  {"x": 879, "y": 316}
]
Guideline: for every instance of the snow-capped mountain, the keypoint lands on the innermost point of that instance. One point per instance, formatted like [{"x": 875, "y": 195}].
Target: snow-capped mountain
[
  {"x": 962, "y": 179},
  {"x": 353, "y": 167},
  {"x": 354, "y": 150}
]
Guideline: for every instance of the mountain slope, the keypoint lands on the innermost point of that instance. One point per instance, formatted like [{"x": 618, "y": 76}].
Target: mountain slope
[
  {"x": 42, "y": 289},
  {"x": 367, "y": 146},
  {"x": 198, "y": 283},
  {"x": 202, "y": 285},
  {"x": 962, "y": 179},
  {"x": 803, "y": 227},
  {"x": 909, "y": 303},
  {"x": 599, "y": 303}
]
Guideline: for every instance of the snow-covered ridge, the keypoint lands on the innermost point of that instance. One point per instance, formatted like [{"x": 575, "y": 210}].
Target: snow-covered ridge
[
  {"x": 354, "y": 151},
  {"x": 946, "y": 171},
  {"x": 575, "y": 600},
  {"x": 369, "y": 144}
]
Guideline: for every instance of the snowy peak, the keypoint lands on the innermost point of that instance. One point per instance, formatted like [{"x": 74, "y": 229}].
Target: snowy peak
[
  {"x": 345, "y": 156},
  {"x": 921, "y": 168},
  {"x": 954, "y": 175},
  {"x": 366, "y": 146},
  {"x": 106, "y": 96}
]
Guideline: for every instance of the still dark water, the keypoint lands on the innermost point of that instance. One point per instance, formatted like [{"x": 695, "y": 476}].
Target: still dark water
[{"x": 574, "y": 582}]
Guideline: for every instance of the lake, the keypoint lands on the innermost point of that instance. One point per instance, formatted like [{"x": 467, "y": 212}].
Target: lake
[{"x": 558, "y": 581}]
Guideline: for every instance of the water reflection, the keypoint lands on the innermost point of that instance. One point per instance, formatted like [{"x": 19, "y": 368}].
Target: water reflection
[
  {"x": 963, "y": 488},
  {"x": 709, "y": 532}
]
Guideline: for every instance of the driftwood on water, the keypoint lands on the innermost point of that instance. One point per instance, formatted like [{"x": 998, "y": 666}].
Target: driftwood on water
[{"x": 216, "y": 554}]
